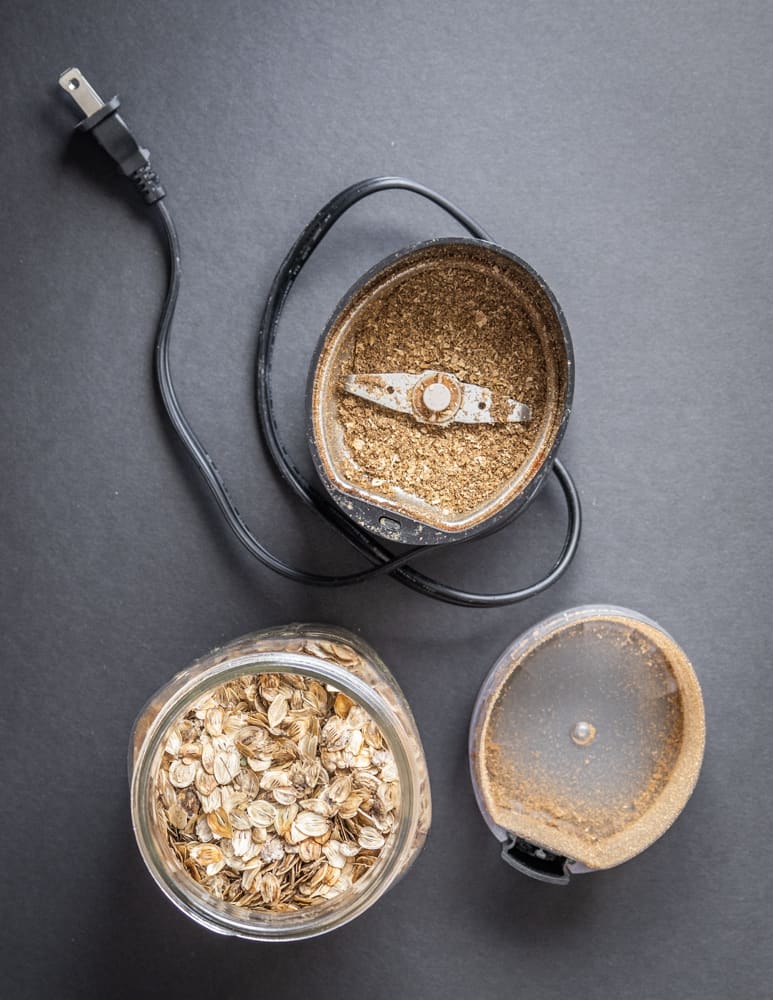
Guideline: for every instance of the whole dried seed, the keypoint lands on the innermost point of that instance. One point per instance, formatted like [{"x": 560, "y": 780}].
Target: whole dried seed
[{"x": 276, "y": 792}]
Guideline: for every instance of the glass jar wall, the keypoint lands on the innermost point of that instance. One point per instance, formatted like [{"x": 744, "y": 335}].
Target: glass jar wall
[{"x": 339, "y": 661}]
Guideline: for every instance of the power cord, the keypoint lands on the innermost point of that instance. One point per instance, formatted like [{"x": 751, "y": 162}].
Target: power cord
[{"x": 109, "y": 130}]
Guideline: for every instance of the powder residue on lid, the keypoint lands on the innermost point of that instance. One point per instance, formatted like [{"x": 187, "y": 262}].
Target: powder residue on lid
[{"x": 603, "y": 802}]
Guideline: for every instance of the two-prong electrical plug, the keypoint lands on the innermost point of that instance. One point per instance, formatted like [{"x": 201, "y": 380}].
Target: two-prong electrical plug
[{"x": 109, "y": 129}]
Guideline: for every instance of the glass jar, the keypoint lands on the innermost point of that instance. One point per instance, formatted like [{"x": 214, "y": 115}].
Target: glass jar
[{"x": 333, "y": 657}]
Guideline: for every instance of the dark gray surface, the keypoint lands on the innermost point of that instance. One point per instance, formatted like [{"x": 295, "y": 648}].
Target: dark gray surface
[{"x": 623, "y": 150}]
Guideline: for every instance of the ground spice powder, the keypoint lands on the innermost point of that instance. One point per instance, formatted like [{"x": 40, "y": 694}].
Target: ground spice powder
[{"x": 467, "y": 318}]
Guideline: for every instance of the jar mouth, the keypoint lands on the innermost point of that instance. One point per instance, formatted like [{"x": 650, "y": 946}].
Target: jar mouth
[{"x": 230, "y": 918}]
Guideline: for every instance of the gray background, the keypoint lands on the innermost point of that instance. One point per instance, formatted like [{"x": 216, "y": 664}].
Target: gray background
[{"x": 623, "y": 150}]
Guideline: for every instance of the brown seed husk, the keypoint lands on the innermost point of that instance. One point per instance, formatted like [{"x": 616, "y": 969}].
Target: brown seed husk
[{"x": 289, "y": 794}]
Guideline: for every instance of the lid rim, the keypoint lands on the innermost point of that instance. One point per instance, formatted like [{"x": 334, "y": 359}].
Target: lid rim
[{"x": 658, "y": 817}]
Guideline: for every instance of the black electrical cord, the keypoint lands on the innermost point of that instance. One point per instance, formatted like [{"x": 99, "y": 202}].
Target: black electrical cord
[
  {"x": 199, "y": 454},
  {"x": 291, "y": 267},
  {"x": 111, "y": 132}
]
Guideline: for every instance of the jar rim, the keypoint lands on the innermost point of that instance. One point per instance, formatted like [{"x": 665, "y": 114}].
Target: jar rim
[{"x": 229, "y": 918}]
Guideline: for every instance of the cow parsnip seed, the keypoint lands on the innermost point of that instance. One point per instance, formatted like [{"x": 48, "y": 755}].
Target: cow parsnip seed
[{"x": 277, "y": 793}]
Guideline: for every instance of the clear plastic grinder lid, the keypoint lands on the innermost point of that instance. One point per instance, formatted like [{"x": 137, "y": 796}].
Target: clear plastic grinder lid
[{"x": 586, "y": 740}]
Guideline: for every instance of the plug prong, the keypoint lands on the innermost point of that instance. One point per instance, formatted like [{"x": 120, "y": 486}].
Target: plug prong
[{"x": 81, "y": 91}]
